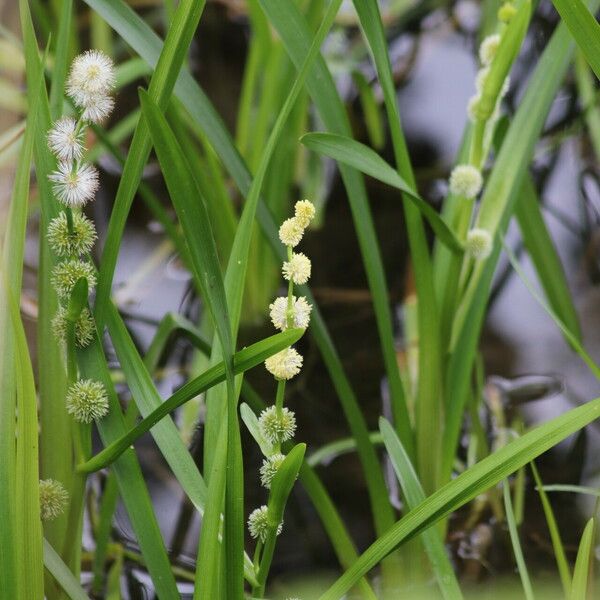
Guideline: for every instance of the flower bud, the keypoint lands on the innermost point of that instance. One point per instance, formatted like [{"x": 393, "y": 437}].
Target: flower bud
[
  {"x": 71, "y": 243},
  {"x": 84, "y": 327},
  {"x": 87, "y": 401},
  {"x": 488, "y": 48},
  {"x": 269, "y": 468},
  {"x": 275, "y": 427},
  {"x": 258, "y": 523},
  {"x": 53, "y": 499},
  {"x": 304, "y": 212},
  {"x": 66, "y": 274}
]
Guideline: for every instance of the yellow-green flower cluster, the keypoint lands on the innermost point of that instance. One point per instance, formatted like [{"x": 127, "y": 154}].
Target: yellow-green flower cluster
[{"x": 53, "y": 499}]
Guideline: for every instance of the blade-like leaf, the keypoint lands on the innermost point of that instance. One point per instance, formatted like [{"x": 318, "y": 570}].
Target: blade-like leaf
[
  {"x": 581, "y": 572},
  {"x": 362, "y": 158},
  {"x": 61, "y": 573},
  {"x": 414, "y": 495},
  {"x": 583, "y": 27},
  {"x": 466, "y": 486}
]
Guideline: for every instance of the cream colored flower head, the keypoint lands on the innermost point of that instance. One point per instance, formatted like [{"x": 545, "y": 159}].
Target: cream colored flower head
[
  {"x": 304, "y": 211},
  {"x": 84, "y": 327},
  {"x": 479, "y": 244},
  {"x": 489, "y": 48},
  {"x": 71, "y": 243},
  {"x": 74, "y": 184},
  {"x": 285, "y": 364},
  {"x": 291, "y": 232},
  {"x": 66, "y": 274},
  {"x": 297, "y": 268},
  {"x": 92, "y": 74},
  {"x": 299, "y": 314},
  {"x": 65, "y": 140},
  {"x": 465, "y": 181},
  {"x": 269, "y": 468},
  {"x": 97, "y": 109}
]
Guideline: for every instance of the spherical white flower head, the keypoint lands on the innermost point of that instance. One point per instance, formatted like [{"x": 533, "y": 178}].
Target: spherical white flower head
[
  {"x": 258, "y": 523},
  {"x": 269, "y": 468},
  {"x": 488, "y": 48},
  {"x": 300, "y": 313},
  {"x": 479, "y": 244},
  {"x": 297, "y": 269},
  {"x": 285, "y": 364},
  {"x": 291, "y": 232},
  {"x": 97, "y": 109},
  {"x": 74, "y": 184},
  {"x": 92, "y": 74},
  {"x": 65, "y": 140},
  {"x": 71, "y": 243},
  {"x": 87, "y": 401},
  {"x": 53, "y": 499},
  {"x": 304, "y": 211},
  {"x": 66, "y": 274},
  {"x": 277, "y": 427},
  {"x": 465, "y": 181},
  {"x": 84, "y": 327}
]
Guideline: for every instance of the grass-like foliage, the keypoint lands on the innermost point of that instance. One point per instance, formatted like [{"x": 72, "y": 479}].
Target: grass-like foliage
[{"x": 104, "y": 88}]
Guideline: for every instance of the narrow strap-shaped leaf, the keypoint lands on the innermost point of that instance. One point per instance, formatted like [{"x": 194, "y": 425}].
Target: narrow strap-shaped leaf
[
  {"x": 465, "y": 487},
  {"x": 581, "y": 573},
  {"x": 557, "y": 545},
  {"x": 543, "y": 253},
  {"x": 362, "y": 158},
  {"x": 583, "y": 27},
  {"x": 242, "y": 361},
  {"x": 516, "y": 544},
  {"x": 414, "y": 495},
  {"x": 61, "y": 573},
  {"x": 172, "y": 55}
]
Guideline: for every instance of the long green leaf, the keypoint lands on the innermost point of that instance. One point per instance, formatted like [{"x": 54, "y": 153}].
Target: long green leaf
[
  {"x": 242, "y": 361},
  {"x": 61, "y": 573},
  {"x": 516, "y": 544},
  {"x": 557, "y": 545},
  {"x": 414, "y": 495},
  {"x": 362, "y": 158},
  {"x": 543, "y": 253},
  {"x": 184, "y": 23},
  {"x": 581, "y": 573},
  {"x": 466, "y": 486},
  {"x": 583, "y": 27}
]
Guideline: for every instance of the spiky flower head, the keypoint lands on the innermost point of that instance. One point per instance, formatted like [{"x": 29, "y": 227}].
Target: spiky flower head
[
  {"x": 269, "y": 468},
  {"x": 479, "y": 243},
  {"x": 275, "y": 426},
  {"x": 87, "y": 400},
  {"x": 71, "y": 243},
  {"x": 97, "y": 109},
  {"x": 66, "y": 274},
  {"x": 65, "y": 140},
  {"x": 488, "y": 48},
  {"x": 92, "y": 74},
  {"x": 258, "y": 523},
  {"x": 74, "y": 184},
  {"x": 506, "y": 12},
  {"x": 285, "y": 364},
  {"x": 299, "y": 314},
  {"x": 291, "y": 232},
  {"x": 465, "y": 181},
  {"x": 84, "y": 327},
  {"x": 304, "y": 212},
  {"x": 297, "y": 268},
  {"x": 53, "y": 499}
]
